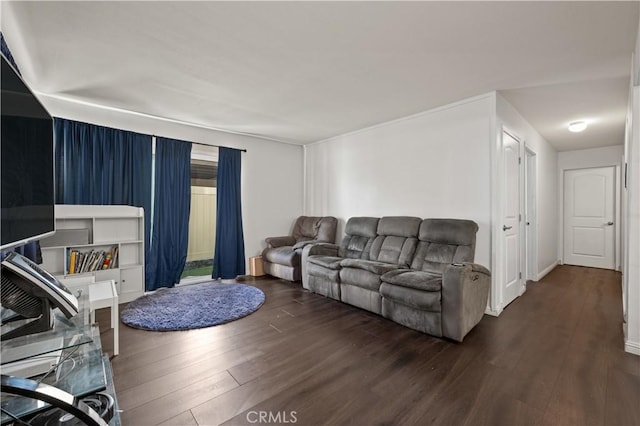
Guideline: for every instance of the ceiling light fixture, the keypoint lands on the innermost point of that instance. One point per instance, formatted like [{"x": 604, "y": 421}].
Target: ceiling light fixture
[{"x": 577, "y": 126}]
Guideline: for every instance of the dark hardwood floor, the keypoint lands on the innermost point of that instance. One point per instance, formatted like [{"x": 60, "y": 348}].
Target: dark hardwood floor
[{"x": 554, "y": 356}]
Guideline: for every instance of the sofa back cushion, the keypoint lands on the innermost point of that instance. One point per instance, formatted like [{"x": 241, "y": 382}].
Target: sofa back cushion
[
  {"x": 444, "y": 241},
  {"x": 309, "y": 228},
  {"x": 396, "y": 241},
  {"x": 360, "y": 232}
]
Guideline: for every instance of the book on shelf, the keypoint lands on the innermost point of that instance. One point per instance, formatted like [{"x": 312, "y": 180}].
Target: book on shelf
[
  {"x": 107, "y": 261},
  {"x": 85, "y": 259},
  {"x": 114, "y": 258},
  {"x": 72, "y": 261}
]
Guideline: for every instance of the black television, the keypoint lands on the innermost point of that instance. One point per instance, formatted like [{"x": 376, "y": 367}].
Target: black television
[{"x": 26, "y": 163}]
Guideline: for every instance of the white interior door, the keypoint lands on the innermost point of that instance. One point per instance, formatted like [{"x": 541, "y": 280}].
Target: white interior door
[
  {"x": 589, "y": 196},
  {"x": 512, "y": 282}
]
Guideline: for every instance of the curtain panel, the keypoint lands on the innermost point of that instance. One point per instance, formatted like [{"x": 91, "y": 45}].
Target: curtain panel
[
  {"x": 102, "y": 166},
  {"x": 229, "y": 259},
  {"x": 171, "y": 207}
]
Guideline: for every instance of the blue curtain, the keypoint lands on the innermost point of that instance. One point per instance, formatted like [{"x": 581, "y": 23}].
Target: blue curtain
[
  {"x": 229, "y": 260},
  {"x": 172, "y": 202},
  {"x": 102, "y": 166}
]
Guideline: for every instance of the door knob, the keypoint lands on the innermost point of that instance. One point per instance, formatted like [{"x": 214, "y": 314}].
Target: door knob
[
  {"x": 609, "y": 223},
  {"x": 506, "y": 228}
]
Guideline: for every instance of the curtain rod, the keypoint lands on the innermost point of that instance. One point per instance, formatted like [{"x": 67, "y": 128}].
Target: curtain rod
[{"x": 206, "y": 144}]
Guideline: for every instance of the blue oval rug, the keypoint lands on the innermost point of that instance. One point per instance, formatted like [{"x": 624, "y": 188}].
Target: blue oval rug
[{"x": 192, "y": 306}]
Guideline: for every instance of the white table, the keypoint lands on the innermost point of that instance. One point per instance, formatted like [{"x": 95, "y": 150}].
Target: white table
[{"x": 104, "y": 295}]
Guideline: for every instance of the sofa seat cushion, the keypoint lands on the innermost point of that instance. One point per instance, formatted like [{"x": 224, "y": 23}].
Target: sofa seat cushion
[
  {"x": 318, "y": 271},
  {"x": 427, "y": 301},
  {"x": 419, "y": 280},
  {"x": 373, "y": 266},
  {"x": 282, "y": 256},
  {"x": 330, "y": 262},
  {"x": 360, "y": 278}
]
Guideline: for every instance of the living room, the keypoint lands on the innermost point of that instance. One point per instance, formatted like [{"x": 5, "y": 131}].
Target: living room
[{"x": 362, "y": 109}]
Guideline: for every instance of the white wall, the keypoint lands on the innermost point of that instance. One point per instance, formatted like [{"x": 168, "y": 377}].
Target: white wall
[
  {"x": 635, "y": 67},
  {"x": 631, "y": 249},
  {"x": 586, "y": 158},
  {"x": 631, "y": 272},
  {"x": 546, "y": 182},
  {"x": 272, "y": 172},
  {"x": 433, "y": 164}
]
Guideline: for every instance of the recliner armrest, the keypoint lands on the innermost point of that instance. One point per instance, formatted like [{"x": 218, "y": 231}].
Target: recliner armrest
[
  {"x": 273, "y": 242},
  {"x": 323, "y": 249},
  {"x": 465, "y": 292},
  {"x": 475, "y": 267}
]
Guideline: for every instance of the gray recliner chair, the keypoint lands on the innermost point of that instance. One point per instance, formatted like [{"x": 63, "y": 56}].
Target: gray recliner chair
[
  {"x": 281, "y": 257},
  {"x": 443, "y": 293}
]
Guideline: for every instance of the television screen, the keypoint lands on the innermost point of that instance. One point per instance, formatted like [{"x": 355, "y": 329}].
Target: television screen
[{"x": 26, "y": 169}]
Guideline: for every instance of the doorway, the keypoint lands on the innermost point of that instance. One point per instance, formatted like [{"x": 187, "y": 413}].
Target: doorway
[
  {"x": 202, "y": 215},
  {"x": 589, "y": 225},
  {"x": 512, "y": 205},
  {"x": 518, "y": 227}
]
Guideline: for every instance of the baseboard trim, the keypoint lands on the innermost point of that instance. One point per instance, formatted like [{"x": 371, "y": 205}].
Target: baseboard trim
[
  {"x": 632, "y": 347},
  {"x": 548, "y": 269}
]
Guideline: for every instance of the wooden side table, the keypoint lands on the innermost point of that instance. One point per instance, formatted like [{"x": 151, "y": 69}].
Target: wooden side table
[
  {"x": 256, "y": 267},
  {"x": 104, "y": 295}
]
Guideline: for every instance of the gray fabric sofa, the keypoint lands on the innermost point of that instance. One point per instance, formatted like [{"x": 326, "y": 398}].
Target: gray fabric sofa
[
  {"x": 418, "y": 273},
  {"x": 281, "y": 257}
]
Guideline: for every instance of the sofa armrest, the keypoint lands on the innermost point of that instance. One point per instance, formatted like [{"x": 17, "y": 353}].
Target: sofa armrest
[
  {"x": 323, "y": 249},
  {"x": 304, "y": 243},
  {"x": 465, "y": 292},
  {"x": 273, "y": 242}
]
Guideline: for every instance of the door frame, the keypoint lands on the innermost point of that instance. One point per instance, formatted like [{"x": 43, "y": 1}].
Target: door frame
[
  {"x": 592, "y": 163},
  {"x": 530, "y": 215},
  {"x": 617, "y": 205}
]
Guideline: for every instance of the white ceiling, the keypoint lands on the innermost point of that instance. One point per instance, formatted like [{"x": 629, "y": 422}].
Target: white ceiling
[{"x": 305, "y": 71}]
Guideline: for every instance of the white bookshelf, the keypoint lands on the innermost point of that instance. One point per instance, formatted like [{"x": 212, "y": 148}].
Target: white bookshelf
[{"x": 83, "y": 229}]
